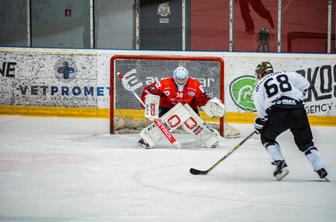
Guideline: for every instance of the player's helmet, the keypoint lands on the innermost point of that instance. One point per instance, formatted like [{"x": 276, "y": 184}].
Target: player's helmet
[
  {"x": 264, "y": 68},
  {"x": 181, "y": 76}
]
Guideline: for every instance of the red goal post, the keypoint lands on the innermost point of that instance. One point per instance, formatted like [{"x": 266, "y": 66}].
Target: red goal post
[{"x": 125, "y": 109}]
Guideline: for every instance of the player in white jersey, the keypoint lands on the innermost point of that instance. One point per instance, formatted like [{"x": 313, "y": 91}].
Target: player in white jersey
[{"x": 278, "y": 98}]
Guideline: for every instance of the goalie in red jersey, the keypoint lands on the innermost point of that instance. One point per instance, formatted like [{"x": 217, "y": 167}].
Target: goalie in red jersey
[
  {"x": 177, "y": 89},
  {"x": 176, "y": 101}
]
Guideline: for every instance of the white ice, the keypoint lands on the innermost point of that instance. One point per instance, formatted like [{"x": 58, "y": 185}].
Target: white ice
[{"x": 73, "y": 170}]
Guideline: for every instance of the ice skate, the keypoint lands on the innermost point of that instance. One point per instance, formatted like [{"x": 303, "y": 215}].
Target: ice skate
[
  {"x": 215, "y": 145},
  {"x": 322, "y": 173},
  {"x": 280, "y": 170},
  {"x": 143, "y": 144}
]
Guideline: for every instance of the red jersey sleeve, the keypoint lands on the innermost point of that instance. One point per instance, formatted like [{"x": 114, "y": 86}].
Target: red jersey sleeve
[
  {"x": 152, "y": 88},
  {"x": 201, "y": 97}
]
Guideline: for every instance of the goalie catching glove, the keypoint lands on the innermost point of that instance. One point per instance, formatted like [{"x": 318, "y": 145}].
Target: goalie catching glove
[{"x": 214, "y": 108}]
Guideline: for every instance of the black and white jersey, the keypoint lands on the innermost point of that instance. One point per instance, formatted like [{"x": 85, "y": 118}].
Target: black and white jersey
[{"x": 276, "y": 85}]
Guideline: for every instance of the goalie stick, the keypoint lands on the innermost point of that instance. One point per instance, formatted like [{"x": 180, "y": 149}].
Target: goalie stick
[
  {"x": 130, "y": 78},
  {"x": 205, "y": 172}
]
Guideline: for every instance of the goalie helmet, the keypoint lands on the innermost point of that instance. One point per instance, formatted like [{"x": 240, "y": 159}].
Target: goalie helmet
[
  {"x": 264, "y": 68},
  {"x": 181, "y": 76}
]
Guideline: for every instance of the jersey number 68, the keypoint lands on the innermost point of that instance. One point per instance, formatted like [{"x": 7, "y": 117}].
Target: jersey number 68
[{"x": 273, "y": 86}]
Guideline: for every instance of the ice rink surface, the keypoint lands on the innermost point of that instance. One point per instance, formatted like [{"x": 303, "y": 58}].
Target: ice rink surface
[{"x": 73, "y": 170}]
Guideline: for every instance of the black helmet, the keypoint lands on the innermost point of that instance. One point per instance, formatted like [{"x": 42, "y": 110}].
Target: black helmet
[{"x": 264, "y": 68}]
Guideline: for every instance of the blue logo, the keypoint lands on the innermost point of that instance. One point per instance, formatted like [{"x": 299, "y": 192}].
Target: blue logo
[{"x": 65, "y": 69}]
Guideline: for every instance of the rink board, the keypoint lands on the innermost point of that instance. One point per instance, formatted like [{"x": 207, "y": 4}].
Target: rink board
[{"x": 75, "y": 83}]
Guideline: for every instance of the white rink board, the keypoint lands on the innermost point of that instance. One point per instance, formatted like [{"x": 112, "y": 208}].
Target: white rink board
[
  {"x": 33, "y": 77},
  {"x": 320, "y": 70}
]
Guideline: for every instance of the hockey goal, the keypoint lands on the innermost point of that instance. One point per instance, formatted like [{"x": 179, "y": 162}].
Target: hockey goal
[{"x": 126, "y": 114}]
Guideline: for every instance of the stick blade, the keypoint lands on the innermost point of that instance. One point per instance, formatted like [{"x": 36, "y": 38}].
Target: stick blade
[{"x": 198, "y": 172}]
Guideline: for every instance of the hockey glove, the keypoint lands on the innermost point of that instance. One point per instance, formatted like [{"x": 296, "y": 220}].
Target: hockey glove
[
  {"x": 259, "y": 124},
  {"x": 214, "y": 108}
]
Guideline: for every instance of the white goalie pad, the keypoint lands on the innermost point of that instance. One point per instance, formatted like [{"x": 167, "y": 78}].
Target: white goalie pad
[
  {"x": 174, "y": 118},
  {"x": 152, "y": 103},
  {"x": 214, "y": 108},
  {"x": 206, "y": 134}
]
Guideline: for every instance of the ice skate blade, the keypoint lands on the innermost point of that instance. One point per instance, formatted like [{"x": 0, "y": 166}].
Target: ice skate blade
[
  {"x": 282, "y": 175},
  {"x": 142, "y": 146}
]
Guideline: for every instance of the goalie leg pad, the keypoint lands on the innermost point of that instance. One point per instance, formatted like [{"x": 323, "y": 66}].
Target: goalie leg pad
[
  {"x": 206, "y": 134},
  {"x": 174, "y": 118},
  {"x": 151, "y": 135}
]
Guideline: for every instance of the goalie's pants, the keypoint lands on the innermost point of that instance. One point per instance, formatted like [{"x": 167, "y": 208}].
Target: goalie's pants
[
  {"x": 164, "y": 110},
  {"x": 281, "y": 119}
]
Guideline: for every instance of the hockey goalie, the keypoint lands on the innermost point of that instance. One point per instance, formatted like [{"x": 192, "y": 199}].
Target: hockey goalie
[{"x": 175, "y": 102}]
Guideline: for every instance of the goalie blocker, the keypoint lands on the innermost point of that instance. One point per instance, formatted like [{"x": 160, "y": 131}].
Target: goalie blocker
[{"x": 185, "y": 116}]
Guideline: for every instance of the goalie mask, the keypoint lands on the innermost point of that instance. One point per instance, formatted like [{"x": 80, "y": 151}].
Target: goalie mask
[
  {"x": 181, "y": 76},
  {"x": 263, "y": 69}
]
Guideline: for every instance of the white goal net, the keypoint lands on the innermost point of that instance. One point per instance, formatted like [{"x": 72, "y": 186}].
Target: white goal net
[{"x": 126, "y": 114}]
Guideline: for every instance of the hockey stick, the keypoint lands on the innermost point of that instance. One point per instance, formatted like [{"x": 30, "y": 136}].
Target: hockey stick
[
  {"x": 130, "y": 78},
  {"x": 205, "y": 172}
]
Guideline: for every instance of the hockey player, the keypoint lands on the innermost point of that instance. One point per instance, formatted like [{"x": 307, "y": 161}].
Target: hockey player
[
  {"x": 180, "y": 96},
  {"x": 278, "y": 98}
]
